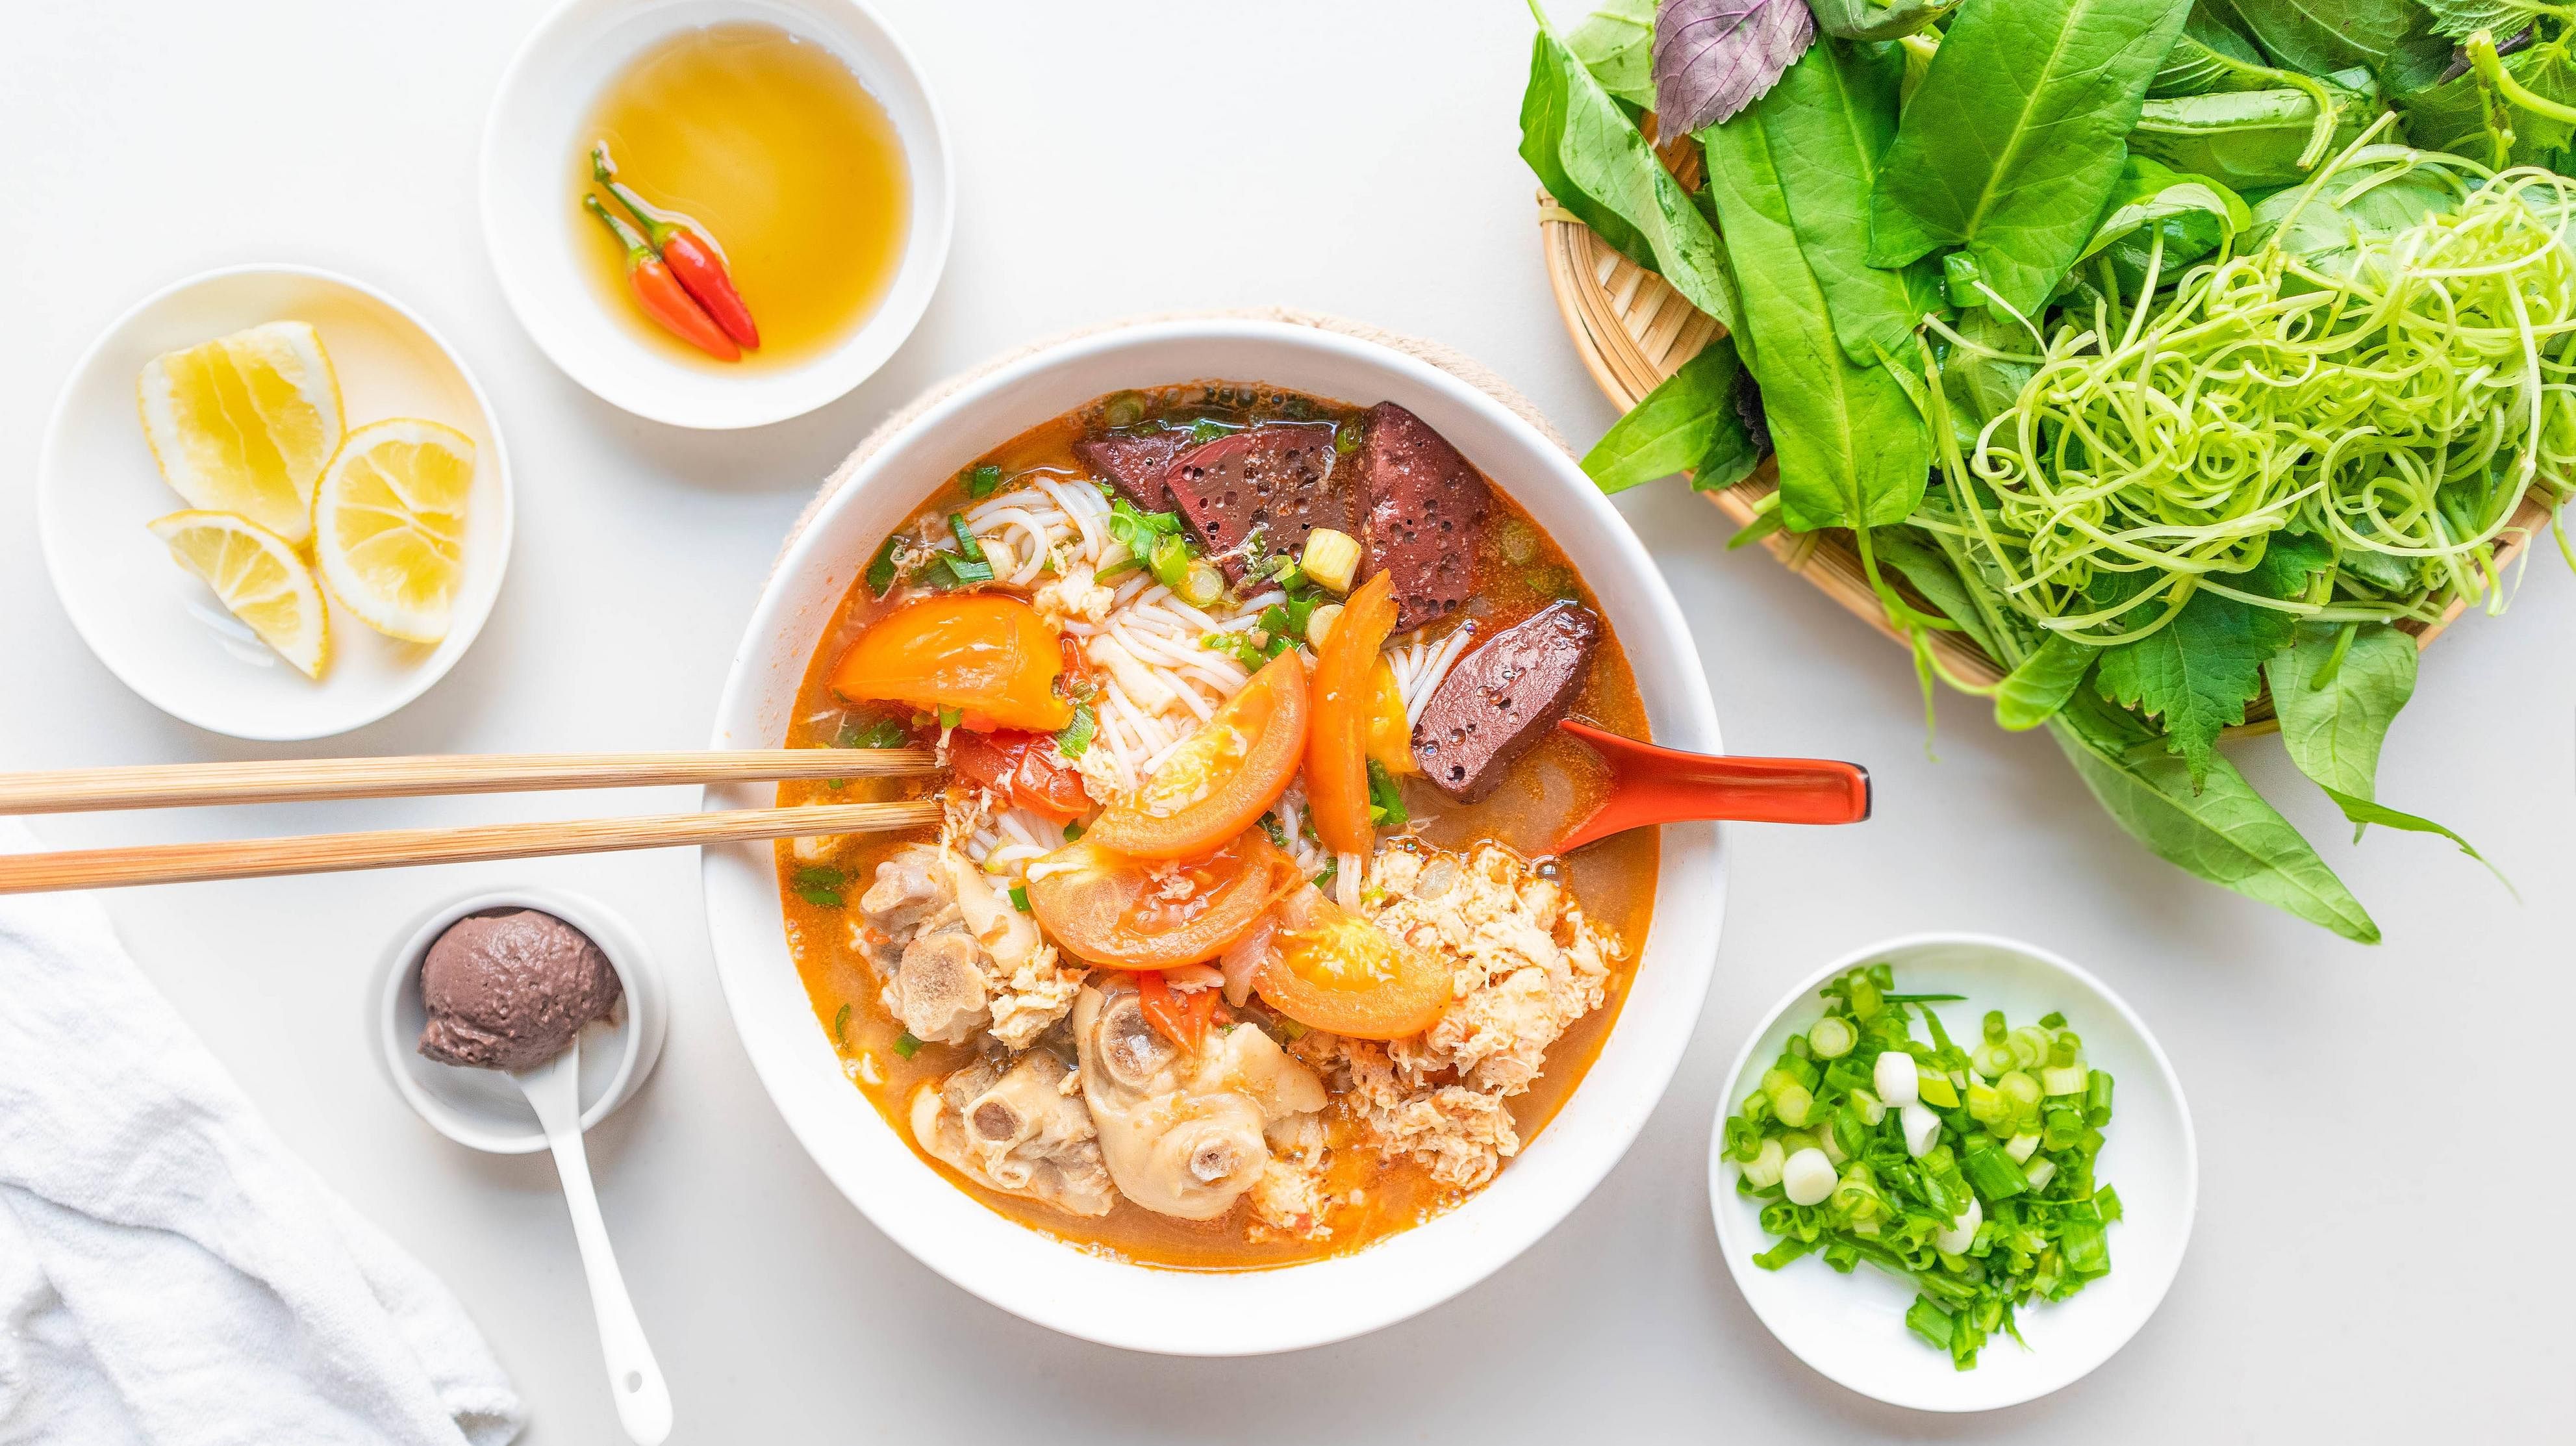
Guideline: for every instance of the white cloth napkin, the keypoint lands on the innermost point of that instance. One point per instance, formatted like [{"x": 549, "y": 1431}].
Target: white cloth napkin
[{"x": 169, "y": 1272}]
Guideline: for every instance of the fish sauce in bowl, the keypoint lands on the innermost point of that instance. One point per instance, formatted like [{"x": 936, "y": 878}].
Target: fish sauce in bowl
[{"x": 768, "y": 145}]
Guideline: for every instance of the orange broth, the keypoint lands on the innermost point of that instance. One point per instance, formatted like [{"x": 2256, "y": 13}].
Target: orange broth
[{"x": 1520, "y": 570}]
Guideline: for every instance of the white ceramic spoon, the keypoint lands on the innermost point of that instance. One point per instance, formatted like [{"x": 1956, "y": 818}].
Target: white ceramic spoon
[{"x": 634, "y": 1378}]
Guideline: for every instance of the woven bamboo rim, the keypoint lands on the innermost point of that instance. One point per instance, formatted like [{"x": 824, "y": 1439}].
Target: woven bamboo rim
[{"x": 1632, "y": 330}]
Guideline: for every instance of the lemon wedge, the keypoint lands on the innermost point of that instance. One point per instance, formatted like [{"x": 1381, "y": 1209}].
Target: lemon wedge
[
  {"x": 246, "y": 423},
  {"x": 389, "y": 525},
  {"x": 259, "y": 578}
]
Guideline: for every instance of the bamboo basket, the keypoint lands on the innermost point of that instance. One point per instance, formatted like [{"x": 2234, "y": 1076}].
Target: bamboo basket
[{"x": 1632, "y": 330}]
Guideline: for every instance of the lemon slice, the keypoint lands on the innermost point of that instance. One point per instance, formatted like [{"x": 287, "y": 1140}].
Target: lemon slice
[
  {"x": 389, "y": 525},
  {"x": 259, "y": 577},
  {"x": 246, "y": 423}
]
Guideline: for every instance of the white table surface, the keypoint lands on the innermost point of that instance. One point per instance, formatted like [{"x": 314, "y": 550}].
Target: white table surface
[{"x": 2381, "y": 1130}]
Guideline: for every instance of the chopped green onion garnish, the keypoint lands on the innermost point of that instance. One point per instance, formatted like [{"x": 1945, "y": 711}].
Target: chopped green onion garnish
[
  {"x": 906, "y": 1045},
  {"x": 1020, "y": 897},
  {"x": 841, "y": 1027},
  {"x": 950, "y": 717},
  {"x": 1073, "y": 831},
  {"x": 984, "y": 481},
  {"x": 873, "y": 732},
  {"x": 2001, "y": 1164},
  {"x": 820, "y": 887},
  {"x": 1074, "y": 738},
  {"x": 1386, "y": 798},
  {"x": 967, "y": 547},
  {"x": 881, "y": 568}
]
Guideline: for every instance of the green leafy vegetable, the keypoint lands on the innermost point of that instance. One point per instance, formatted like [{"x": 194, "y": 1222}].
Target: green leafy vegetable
[
  {"x": 2032, "y": 693},
  {"x": 1617, "y": 43},
  {"x": 2252, "y": 139},
  {"x": 2162, "y": 220},
  {"x": 1592, "y": 159},
  {"x": 2392, "y": 39},
  {"x": 2336, "y": 690},
  {"x": 1879, "y": 19},
  {"x": 2204, "y": 663},
  {"x": 2219, "y": 828},
  {"x": 1853, "y": 450},
  {"x": 1831, "y": 123},
  {"x": 1688, "y": 423},
  {"x": 2013, "y": 142},
  {"x": 1715, "y": 57}
]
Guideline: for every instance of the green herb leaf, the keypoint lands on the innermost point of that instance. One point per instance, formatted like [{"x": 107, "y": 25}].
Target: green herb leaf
[
  {"x": 1853, "y": 450},
  {"x": 2392, "y": 39},
  {"x": 2198, "y": 672},
  {"x": 1674, "y": 427},
  {"x": 2011, "y": 144},
  {"x": 1878, "y": 19},
  {"x": 2335, "y": 712},
  {"x": 819, "y": 886},
  {"x": 1829, "y": 123},
  {"x": 1616, "y": 43},
  {"x": 1594, "y": 162},
  {"x": 2191, "y": 214},
  {"x": 2032, "y": 693},
  {"x": 2218, "y": 827}
]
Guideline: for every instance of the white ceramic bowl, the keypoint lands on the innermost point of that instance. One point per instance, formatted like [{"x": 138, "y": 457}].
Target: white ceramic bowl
[
  {"x": 482, "y": 1108},
  {"x": 1029, "y": 1274},
  {"x": 529, "y": 138},
  {"x": 1852, "y": 1328},
  {"x": 153, "y": 624}
]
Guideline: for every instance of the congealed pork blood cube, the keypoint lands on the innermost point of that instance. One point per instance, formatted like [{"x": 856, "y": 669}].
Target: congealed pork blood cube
[
  {"x": 1134, "y": 465},
  {"x": 1501, "y": 699},
  {"x": 1269, "y": 485},
  {"x": 1423, "y": 511}
]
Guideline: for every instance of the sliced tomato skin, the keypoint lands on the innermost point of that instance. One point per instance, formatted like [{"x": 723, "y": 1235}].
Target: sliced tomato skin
[
  {"x": 987, "y": 655},
  {"x": 1107, "y": 908},
  {"x": 1332, "y": 970},
  {"x": 1223, "y": 777},
  {"x": 1346, "y": 692},
  {"x": 1023, "y": 766}
]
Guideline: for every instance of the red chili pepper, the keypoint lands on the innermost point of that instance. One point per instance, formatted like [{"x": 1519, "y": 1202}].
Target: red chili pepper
[
  {"x": 694, "y": 259},
  {"x": 663, "y": 298}
]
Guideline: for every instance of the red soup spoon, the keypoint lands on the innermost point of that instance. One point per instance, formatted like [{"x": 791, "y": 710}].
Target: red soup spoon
[{"x": 1665, "y": 785}]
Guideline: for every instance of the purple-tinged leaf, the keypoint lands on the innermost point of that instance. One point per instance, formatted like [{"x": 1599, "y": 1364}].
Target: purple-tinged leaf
[{"x": 1715, "y": 57}]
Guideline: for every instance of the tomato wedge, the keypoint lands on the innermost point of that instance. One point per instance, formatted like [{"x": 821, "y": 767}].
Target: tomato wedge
[
  {"x": 1024, "y": 767},
  {"x": 1332, "y": 970},
  {"x": 1182, "y": 1017},
  {"x": 1131, "y": 913},
  {"x": 1346, "y": 694},
  {"x": 1390, "y": 736},
  {"x": 990, "y": 657},
  {"x": 1222, "y": 777}
]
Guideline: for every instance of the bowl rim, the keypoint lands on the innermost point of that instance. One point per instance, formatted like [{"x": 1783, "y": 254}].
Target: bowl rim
[
  {"x": 639, "y": 1036},
  {"x": 772, "y": 397},
  {"x": 1654, "y": 632},
  {"x": 469, "y": 625},
  {"x": 1740, "y": 1268}
]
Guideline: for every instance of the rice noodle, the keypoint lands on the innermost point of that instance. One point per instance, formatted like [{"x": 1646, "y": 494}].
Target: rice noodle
[{"x": 1420, "y": 666}]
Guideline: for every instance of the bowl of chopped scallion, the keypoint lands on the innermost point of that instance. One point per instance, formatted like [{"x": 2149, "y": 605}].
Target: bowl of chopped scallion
[{"x": 1953, "y": 1172}]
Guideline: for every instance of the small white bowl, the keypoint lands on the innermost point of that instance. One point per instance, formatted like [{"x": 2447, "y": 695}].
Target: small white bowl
[
  {"x": 153, "y": 624},
  {"x": 1040, "y": 1279},
  {"x": 528, "y": 142},
  {"x": 482, "y": 1108},
  {"x": 1852, "y": 1327}
]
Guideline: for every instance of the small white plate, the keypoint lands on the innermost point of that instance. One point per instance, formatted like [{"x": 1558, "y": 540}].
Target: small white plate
[
  {"x": 157, "y": 627},
  {"x": 528, "y": 141},
  {"x": 1852, "y": 1327}
]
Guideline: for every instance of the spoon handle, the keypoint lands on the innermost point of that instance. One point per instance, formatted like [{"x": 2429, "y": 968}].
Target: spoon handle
[
  {"x": 1652, "y": 785},
  {"x": 634, "y": 1377}
]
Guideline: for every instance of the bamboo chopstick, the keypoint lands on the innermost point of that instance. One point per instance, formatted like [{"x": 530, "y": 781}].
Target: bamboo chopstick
[
  {"x": 181, "y": 785},
  {"x": 392, "y": 848}
]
